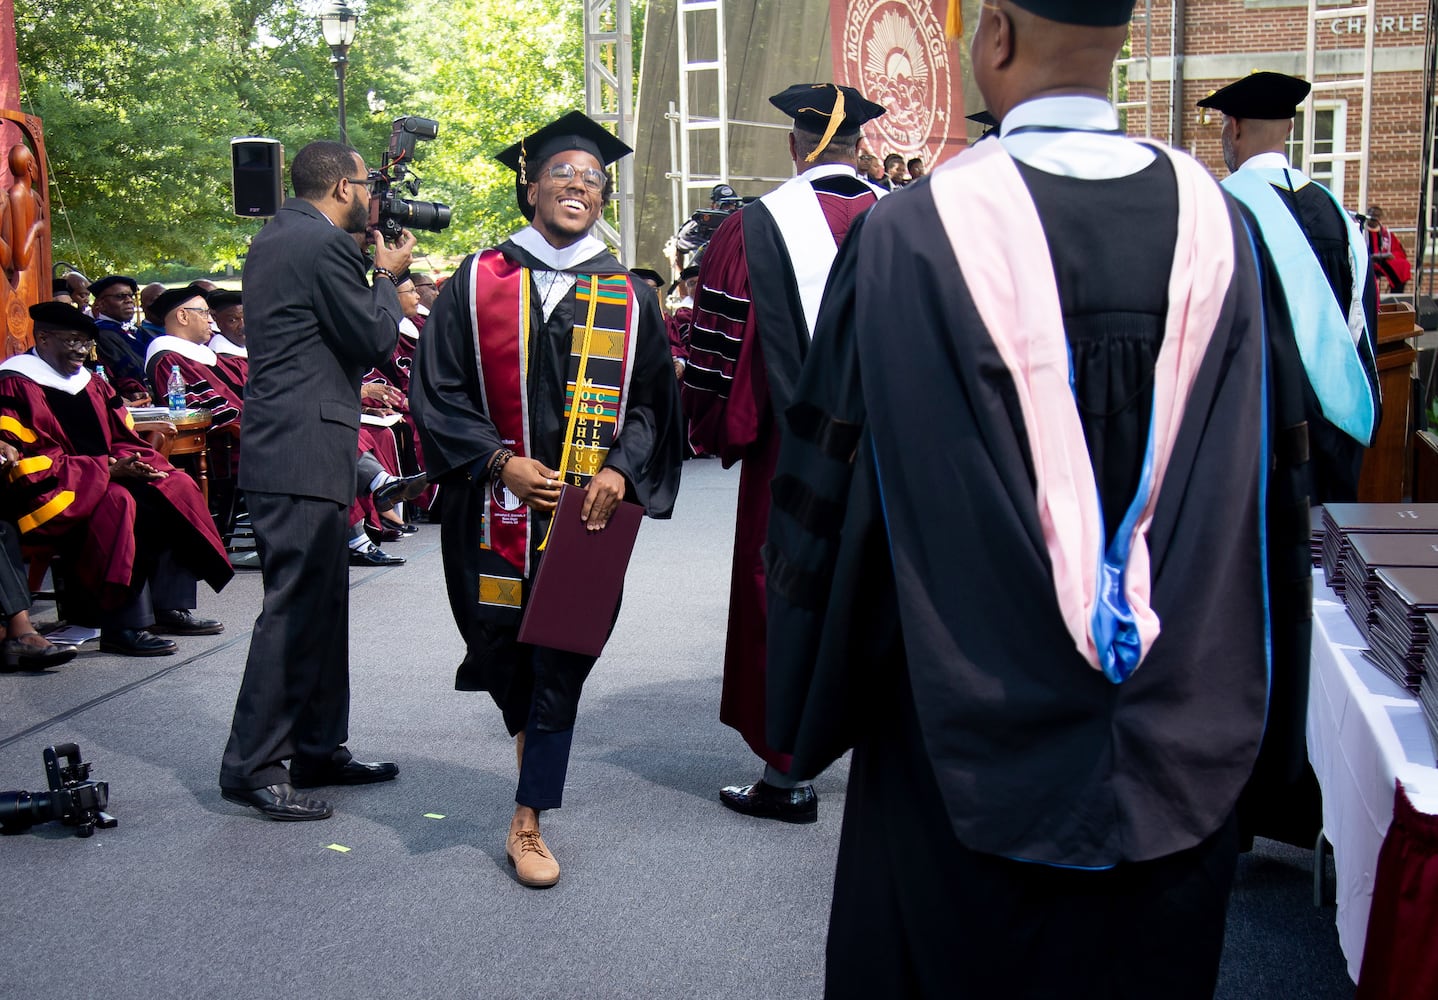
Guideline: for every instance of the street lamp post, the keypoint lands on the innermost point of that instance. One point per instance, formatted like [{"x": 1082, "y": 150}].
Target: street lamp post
[{"x": 338, "y": 21}]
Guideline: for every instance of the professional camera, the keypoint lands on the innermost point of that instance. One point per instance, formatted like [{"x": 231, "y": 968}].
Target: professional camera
[
  {"x": 73, "y": 798},
  {"x": 696, "y": 233},
  {"x": 388, "y": 212}
]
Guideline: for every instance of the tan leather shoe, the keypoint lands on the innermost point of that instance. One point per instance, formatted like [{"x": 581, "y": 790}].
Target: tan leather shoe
[{"x": 533, "y": 865}]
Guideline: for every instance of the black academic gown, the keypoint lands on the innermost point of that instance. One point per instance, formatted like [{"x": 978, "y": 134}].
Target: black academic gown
[
  {"x": 458, "y": 438},
  {"x": 1335, "y": 458},
  {"x": 911, "y": 615},
  {"x": 1315, "y": 463}
]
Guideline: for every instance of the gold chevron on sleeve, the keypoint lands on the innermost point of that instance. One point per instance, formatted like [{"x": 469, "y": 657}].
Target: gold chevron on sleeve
[
  {"x": 41, "y": 514},
  {"x": 13, "y": 426},
  {"x": 35, "y": 463}
]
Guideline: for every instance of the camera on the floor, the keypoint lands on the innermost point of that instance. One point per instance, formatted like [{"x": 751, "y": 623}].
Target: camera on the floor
[{"x": 73, "y": 799}]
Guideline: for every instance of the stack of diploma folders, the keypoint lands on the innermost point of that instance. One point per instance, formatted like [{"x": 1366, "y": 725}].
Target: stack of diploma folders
[{"x": 1382, "y": 560}]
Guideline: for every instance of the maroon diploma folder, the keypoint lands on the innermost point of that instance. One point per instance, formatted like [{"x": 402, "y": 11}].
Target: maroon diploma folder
[{"x": 576, "y": 590}]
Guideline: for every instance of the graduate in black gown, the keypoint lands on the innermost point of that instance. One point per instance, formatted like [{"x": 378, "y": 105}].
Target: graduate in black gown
[
  {"x": 511, "y": 334},
  {"x": 1020, "y": 551},
  {"x": 1343, "y": 414},
  {"x": 1315, "y": 251}
]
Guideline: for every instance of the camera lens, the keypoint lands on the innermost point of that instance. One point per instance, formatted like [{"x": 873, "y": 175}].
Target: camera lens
[
  {"x": 21, "y": 810},
  {"x": 431, "y": 216}
]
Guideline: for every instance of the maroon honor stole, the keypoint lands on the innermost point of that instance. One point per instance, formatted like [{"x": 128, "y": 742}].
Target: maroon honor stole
[{"x": 601, "y": 362}]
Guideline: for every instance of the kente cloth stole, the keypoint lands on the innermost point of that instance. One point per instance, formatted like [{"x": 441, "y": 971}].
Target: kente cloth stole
[
  {"x": 600, "y": 366},
  {"x": 1102, "y": 586},
  {"x": 1327, "y": 334}
]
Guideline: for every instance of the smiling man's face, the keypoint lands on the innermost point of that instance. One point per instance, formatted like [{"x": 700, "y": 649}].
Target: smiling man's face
[{"x": 565, "y": 210}]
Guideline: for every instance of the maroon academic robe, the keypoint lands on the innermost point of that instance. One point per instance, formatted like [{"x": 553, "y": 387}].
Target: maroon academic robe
[
  {"x": 208, "y": 385},
  {"x": 234, "y": 360},
  {"x": 728, "y": 396},
  {"x": 57, "y": 495},
  {"x": 396, "y": 372},
  {"x": 679, "y": 326}
]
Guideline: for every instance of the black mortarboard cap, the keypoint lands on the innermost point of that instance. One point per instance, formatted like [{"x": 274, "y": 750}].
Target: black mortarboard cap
[
  {"x": 648, "y": 274},
  {"x": 58, "y": 286},
  {"x": 167, "y": 301},
  {"x": 692, "y": 271},
  {"x": 1090, "y": 13},
  {"x": 98, "y": 288},
  {"x": 829, "y": 109},
  {"x": 1264, "y": 95},
  {"x": 575, "y": 130},
  {"x": 223, "y": 298},
  {"x": 61, "y": 316}
]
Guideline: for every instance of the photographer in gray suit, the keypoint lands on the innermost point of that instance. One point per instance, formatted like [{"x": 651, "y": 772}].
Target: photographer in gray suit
[{"x": 315, "y": 325}]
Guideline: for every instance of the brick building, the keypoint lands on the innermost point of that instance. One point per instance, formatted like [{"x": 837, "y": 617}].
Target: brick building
[{"x": 1221, "y": 40}]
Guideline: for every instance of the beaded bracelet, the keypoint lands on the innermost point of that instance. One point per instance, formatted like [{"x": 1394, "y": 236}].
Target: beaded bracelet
[
  {"x": 384, "y": 272},
  {"x": 498, "y": 462}
]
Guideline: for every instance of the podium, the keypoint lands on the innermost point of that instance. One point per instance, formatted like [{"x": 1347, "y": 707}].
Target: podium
[{"x": 1386, "y": 466}]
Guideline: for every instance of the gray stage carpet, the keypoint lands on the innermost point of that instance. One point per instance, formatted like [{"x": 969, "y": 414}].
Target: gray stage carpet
[{"x": 664, "y": 892}]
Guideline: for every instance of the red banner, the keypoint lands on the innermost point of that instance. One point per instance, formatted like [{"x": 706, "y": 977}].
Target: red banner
[{"x": 894, "y": 53}]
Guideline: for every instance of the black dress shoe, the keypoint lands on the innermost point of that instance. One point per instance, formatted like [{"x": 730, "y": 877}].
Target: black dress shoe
[
  {"x": 354, "y": 772},
  {"x": 134, "y": 642},
  {"x": 17, "y": 654},
  {"x": 790, "y": 805},
  {"x": 183, "y": 622},
  {"x": 374, "y": 556},
  {"x": 396, "y": 490},
  {"x": 279, "y": 802}
]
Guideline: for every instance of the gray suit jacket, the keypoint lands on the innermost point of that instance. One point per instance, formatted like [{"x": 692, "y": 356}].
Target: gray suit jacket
[{"x": 314, "y": 326}]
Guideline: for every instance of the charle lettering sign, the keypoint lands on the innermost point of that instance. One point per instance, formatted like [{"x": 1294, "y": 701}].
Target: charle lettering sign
[
  {"x": 1402, "y": 24},
  {"x": 894, "y": 53}
]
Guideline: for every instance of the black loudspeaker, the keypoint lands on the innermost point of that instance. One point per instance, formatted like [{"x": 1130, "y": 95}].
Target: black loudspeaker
[{"x": 257, "y": 169}]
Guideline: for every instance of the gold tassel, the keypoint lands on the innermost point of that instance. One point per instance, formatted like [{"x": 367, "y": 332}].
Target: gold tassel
[
  {"x": 522, "y": 178},
  {"x": 954, "y": 23},
  {"x": 836, "y": 118}
]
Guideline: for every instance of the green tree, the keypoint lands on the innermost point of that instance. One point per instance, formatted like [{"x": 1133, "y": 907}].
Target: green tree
[
  {"x": 493, "y": 72},
  {"x": 141, "y": 99}
]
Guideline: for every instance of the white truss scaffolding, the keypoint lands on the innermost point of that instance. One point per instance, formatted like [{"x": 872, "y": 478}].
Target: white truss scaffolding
[
  {"x": 609, "y": 100},
  {"x": 685, "y": 121}
]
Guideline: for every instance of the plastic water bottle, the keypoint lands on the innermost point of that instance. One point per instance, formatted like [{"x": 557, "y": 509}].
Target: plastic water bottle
[
  {"x": 100, "y": 374},
  {"x": 176, "y": 390}
]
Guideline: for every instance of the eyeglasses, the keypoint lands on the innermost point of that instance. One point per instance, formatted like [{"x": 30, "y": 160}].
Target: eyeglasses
[
  {"x": 365, "y": 182},
  {"x": 73, "y": 340},
  {"x": 119, "y": 296},
  {"x": 194, "y": 309},
  {"x": 566, "y": 172}
]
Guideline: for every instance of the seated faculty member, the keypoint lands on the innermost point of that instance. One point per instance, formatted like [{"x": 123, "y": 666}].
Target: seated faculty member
[
  {"x": 134, "y": 530},
  {"x": 185, "y": 345}
]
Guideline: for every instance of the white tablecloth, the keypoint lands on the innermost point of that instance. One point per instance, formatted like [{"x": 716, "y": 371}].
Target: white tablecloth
[{"x": 1364, "y": 733}]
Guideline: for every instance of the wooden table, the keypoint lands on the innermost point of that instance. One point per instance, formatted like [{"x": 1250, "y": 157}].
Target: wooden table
[{"x": 183, "y": 436}]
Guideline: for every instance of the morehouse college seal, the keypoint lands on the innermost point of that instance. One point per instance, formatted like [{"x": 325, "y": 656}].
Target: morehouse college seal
[{"x": 895, "y": 53}]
